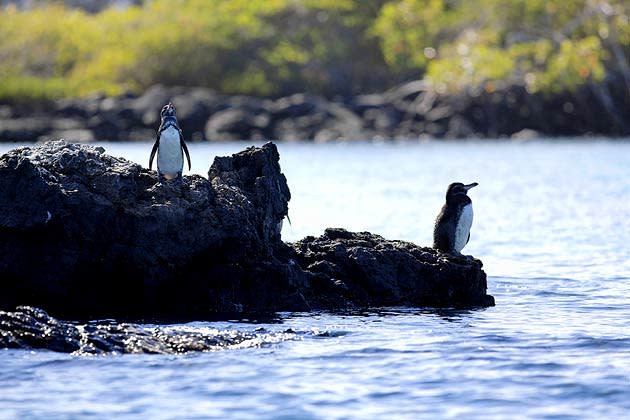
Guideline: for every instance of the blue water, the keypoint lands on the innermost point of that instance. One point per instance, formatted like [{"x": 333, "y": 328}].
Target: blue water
[{"x": 552, "y": 226}]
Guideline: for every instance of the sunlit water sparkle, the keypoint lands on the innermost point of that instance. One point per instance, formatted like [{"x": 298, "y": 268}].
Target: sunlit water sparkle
[{"x": 552, "y": 225}]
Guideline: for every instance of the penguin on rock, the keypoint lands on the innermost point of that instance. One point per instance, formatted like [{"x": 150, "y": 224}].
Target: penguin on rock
[
  {"x": 169, "y": 146},
  {"x": 452, "y": 226}
]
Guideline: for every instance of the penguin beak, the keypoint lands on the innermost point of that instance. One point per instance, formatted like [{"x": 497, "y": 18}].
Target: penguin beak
[{"x": 469, "y": 186}]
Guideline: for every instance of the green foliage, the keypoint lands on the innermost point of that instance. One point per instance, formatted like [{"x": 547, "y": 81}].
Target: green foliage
[
  {"x": 470, "y": 67},
  {"x": 327, "y": 46},
  {"x": 547, "y": 45},
  {"x": 45, "y": 52},
  {"x": 27, "y": 88},
  {"x": 324, "y": 46},
  {"x": 574, "y": 63},
  {"x": 408, "y": 27}
]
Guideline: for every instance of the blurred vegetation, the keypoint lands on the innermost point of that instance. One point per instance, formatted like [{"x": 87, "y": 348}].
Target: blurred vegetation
[{"x": 331, "y": 47}]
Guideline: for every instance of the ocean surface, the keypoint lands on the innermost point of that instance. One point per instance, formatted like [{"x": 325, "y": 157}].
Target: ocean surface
[{"x": 552, "y": 226}]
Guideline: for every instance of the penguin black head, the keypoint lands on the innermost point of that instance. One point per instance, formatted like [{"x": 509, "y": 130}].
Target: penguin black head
[
  {"x": 168, "y": 110},
  {"x": 457, "y": 188},
  {"x": 168, "y": 114}
]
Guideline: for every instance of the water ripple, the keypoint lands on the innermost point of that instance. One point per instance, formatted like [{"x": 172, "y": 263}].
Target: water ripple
[{"x": 551, "y": 226}]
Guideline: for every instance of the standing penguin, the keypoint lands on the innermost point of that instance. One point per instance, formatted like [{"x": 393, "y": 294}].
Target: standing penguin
[
  {"x": 452, "y": 226},
  {"x": 169, "y": 145}
]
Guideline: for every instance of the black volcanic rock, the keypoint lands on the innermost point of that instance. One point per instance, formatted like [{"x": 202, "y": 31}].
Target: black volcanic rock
[
  {"x": 236, "y": 124},
  {"x": 33, "y": 328},
  {"x": 410, "y": 111},
  {"x": 193, "y": 109},
  {"x": 372, "y": 271},
  {"x": 24, "y": 129},
  {"x": 84, "y": 234}
]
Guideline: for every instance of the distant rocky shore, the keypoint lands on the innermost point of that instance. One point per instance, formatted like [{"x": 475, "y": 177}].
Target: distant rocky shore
[
  {"x": 409, "y": 111},
  {"x": 87, "y": 235}
]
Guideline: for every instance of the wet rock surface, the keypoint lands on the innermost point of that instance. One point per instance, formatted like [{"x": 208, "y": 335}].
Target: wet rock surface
[
  {"x": 33, "y": 328},
  {"x": 85, "y": 235}
]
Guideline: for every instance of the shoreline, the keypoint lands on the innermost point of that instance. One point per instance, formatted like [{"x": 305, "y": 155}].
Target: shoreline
[{"x": 412, "y": 111}]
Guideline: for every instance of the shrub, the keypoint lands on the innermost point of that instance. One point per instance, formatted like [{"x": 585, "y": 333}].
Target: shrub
[{"x": 331, "y": 47}]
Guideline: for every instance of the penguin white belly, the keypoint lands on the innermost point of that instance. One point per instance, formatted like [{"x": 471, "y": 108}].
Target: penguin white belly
[
  {"x": 170, "y": 161},
  {"x": 462, "y": 228}
]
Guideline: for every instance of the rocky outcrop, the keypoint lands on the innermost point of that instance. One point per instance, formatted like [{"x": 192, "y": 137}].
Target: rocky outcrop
[
  {"x": 410, "y": 111},
  {"x": 371, "y": 271},
  {"x": 84, "y": 233},
  {"x": 33, "y": 328},
  {"x": 87, "y": 235}
]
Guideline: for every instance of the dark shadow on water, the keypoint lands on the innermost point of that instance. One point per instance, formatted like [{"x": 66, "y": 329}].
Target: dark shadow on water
[
  {"x": 255, "y": 318},
  {"x": 235, "y": 317},
  {"x": 447, "y": 314}
]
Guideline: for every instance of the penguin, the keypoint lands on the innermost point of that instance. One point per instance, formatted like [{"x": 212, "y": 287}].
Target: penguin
[
  {"x": 452, "y": 226},
  {"x": 169, "y": 145}
]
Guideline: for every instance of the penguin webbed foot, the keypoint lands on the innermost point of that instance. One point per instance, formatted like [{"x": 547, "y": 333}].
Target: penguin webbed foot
[
  {"x": 457, "y": 254},
  {"x": 466, "y": 257},
  {"x": 179, "y": 180}
]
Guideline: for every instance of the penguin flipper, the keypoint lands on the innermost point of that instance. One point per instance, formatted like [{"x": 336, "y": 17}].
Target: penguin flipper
[
  {"x": 443, "y": 232},
  {"x": 184, "y": 147},
  {"x": 442, "y": 239},
  {"x": 468, "y": 239},
  {"x": 154, "y": 150}
]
